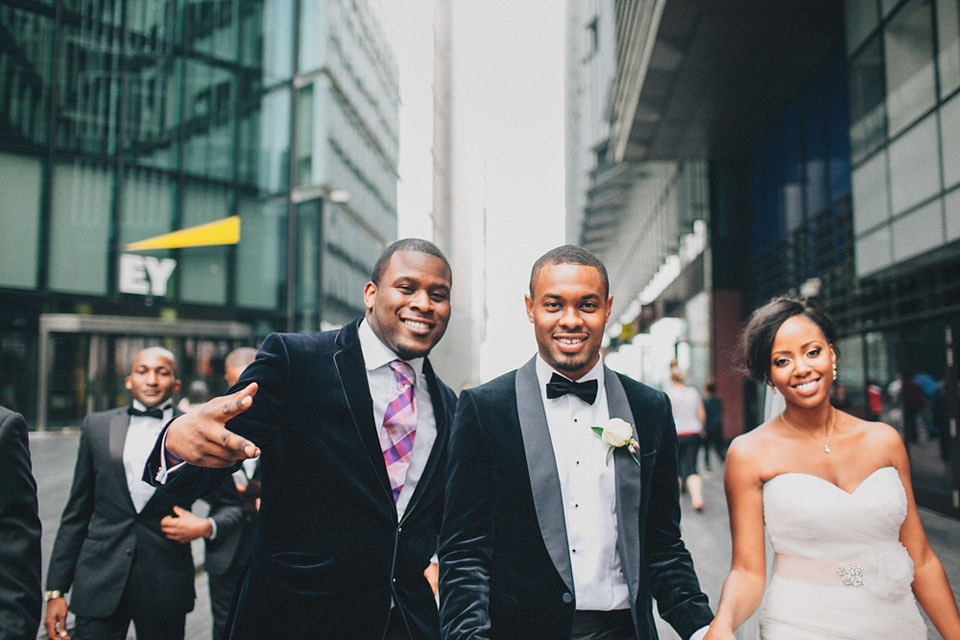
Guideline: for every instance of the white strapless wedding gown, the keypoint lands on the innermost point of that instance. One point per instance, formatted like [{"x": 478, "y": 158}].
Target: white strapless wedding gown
[{"x": 840, "y": 570}]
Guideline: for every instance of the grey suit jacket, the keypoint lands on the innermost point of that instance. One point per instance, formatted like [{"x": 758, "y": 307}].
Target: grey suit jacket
[{"x": 103, "y": 543}]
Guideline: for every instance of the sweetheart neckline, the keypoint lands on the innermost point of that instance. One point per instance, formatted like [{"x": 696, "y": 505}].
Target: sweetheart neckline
[{"x": 835, "y": 486}]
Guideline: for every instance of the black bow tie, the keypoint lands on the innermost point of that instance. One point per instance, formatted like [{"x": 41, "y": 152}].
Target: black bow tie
[
  {"x": 560, "y": 386},
  {"x": 149, "y": 413}
]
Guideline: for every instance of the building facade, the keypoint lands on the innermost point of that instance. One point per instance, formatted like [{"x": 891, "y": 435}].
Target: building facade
[
  {"x": 126, "y": 121},
  {"x": 829, "y": 140}
]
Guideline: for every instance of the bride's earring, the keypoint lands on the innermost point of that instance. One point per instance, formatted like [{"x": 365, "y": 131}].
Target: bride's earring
[{"x": 834, "y": 371}]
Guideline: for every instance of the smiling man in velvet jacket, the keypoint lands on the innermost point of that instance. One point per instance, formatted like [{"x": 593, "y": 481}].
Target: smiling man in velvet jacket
[
  {"x": 351, "y": 426},
  {"x": 544, "y": 535}
]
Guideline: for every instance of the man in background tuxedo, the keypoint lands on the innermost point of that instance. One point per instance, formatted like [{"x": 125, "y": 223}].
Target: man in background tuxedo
[
  {"x": 351, "y": 427},
  {"x": 545, "y": 534},
  {"x": 19, "y": 533},
  {"x": 120, "y": 549}
]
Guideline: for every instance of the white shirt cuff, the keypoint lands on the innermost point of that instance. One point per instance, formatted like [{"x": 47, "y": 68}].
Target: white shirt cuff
[
  {"x": 213, "y": 534},
  {"x": 163, "y": 473},
  {"x": 700, "y": 633}
]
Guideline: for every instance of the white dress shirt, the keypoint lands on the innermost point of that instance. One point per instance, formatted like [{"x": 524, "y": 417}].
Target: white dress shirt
[
  {"x": 588, "y": 488},
  {"x": 383, "y": 388},
  {"x": 141, "y": 435}
]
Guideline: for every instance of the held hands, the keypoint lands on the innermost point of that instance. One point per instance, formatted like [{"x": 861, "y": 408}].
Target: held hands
[
  {"x": 200, "y": 438},
  {"x": 718, "y": 634},
  {"x": 56, "y": 619},
  {"x": 184, "y": 526}
]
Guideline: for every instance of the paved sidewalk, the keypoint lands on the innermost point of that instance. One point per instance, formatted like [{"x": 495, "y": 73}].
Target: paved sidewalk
[{"x": 707, "y": 534}]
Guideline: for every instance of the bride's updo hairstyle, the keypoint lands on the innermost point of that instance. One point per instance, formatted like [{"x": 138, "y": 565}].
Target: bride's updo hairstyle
[{"x": 756, "y": 339}]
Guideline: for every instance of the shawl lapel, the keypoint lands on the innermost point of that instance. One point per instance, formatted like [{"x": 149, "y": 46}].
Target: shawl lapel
[
  {"x": 542, "y": 467},
  {"x": 628, "y": 480}
]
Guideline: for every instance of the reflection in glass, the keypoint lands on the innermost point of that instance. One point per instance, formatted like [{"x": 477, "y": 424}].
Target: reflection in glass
[
  {"x": 79, "y": 227},
  {"x": 948, "y": 45},
  {"x": 261, "y": 265},
  {"x": 20, "y": 181},
  {"x": 203, "y": 270},
  {"x": 25, "y": 54},
  {"x": 867, "y": 113},
  {"x": 908, "y": 54}
]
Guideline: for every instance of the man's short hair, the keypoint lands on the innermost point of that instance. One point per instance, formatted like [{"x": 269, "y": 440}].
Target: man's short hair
[
  {"x": 406, "y": 244},
  {"x": 240, "y": 357},
  {"x": 570, "y": 254}
]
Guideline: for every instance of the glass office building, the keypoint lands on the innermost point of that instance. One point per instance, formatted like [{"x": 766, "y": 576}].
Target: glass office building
[
  {"x": 124, "y": 120},
  {"x": 831, "y": 137}
]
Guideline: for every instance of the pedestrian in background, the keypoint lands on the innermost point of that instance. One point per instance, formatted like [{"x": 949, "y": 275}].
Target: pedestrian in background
[
  {"x": 688, "y": 416},
  {"x": 225, "y": 557},
  {"x": 112, "y": 551},
  {"x": 19, "y": 533},
  {"x": 197, "y": 393},
  {"x": 713, "y": 425}
]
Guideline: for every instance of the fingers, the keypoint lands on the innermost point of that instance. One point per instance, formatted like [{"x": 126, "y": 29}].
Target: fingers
[
  {"x": 178, "y": 510},
  {"x": 226, "y": 407},
  {"x": 56, "y": 619},
  {"x": 201, "y": 439}
]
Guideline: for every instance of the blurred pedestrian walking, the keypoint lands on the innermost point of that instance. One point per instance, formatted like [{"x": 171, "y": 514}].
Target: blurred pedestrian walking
[
  {"x": 197, "y": 393},
  {"x": 19, "y": 533},
  {"x": 713, "y": 425},
  {"x": 112, "y": 551},
  {"x": 689, "y": 417}
]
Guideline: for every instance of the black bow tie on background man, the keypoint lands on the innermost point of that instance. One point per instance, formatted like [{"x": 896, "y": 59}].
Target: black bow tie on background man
[
  {"x": 156, "y": 412},
  {"x": 560, "y": 386}
]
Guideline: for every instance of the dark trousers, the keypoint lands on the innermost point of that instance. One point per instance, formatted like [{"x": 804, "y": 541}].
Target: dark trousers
[
  {"x": 223, "y": 589},
  {"x": 115, "y": 627},
  {"x": 603, "y": 625}
]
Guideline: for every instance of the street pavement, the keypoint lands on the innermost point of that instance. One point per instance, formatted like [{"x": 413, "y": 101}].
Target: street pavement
[{"x": 706, "y": 534}]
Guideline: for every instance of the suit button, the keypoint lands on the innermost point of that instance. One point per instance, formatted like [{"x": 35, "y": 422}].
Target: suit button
[
  {"x": 394, "y": 580},
  {"x": 399, "y": 529},
  {"x": 567, "y": 597},
  {"x": 128, "y": 551}
]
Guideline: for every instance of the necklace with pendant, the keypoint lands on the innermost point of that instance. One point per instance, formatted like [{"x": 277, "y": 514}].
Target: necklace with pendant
[{"x": 826, "y": 444}]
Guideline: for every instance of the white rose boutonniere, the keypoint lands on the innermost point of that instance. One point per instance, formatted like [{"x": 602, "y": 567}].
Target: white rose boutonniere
[{"x": 618, "y": 433}]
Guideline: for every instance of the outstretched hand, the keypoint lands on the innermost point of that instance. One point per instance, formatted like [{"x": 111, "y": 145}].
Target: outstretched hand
[{"x": 200, "y": 438}]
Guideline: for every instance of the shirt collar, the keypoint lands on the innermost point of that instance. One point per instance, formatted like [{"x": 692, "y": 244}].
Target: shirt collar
[
  {"x": 376, "y": 354},
  {"x": 544, "y": 371},
  {"x": 165, "y": 406}
]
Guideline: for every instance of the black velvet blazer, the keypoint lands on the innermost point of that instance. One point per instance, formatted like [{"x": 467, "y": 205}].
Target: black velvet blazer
[
  {"x": 505, "y": 570},
  {"x": 329, "y": 554}
]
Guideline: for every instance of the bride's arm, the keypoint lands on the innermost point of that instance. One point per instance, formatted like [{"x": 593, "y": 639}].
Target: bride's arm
[
  {"x": 743, "y": 588},
  {"x": 930, "y": 583}
]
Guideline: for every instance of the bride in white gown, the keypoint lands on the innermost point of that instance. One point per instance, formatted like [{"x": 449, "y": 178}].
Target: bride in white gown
[{"x": 834, "y": 495}]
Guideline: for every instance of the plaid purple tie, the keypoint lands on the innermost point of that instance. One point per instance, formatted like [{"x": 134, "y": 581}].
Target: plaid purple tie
[{"x": 399, "y": 427}]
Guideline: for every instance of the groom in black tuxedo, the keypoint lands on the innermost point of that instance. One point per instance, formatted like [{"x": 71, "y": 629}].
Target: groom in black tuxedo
[{"x": 543, "y": 535}]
